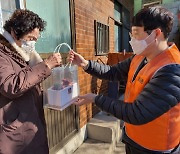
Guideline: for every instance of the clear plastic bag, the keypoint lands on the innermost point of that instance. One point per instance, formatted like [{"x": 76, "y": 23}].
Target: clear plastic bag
[
  {"x": 58, "y": 76},
  {"x": 70, "y": 73},
  {"x": 65, "y": 88},
  {"x": 58, "y": 72}
]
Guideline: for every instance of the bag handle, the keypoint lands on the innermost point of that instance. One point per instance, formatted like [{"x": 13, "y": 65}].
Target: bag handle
[{"x": 57, "y": 49}]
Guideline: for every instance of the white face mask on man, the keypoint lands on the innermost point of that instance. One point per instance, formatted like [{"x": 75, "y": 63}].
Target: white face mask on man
[
  {"x": 139, "y": 46},
  {"x": 28, "y": 46}
]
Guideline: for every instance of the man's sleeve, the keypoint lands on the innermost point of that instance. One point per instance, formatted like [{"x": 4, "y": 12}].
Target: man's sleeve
[
  {"x": 113, "y": 73},
  {"x": 158, "y": 96}
]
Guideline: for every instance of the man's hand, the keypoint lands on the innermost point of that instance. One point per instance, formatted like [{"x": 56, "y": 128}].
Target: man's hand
[
  {"x": 86, "y": 99},
  {"x": 53, "y": 60},
  {"x": 77, "y": 59}
]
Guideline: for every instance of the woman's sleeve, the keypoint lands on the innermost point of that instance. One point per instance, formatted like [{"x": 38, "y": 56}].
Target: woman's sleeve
[{"x": 14, "y": 84}]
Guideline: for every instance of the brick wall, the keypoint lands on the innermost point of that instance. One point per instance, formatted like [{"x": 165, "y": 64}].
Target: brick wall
[{"x": 86, "y": 11}]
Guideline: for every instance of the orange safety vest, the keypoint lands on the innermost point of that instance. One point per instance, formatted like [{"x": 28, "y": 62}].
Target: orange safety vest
[{"x": 163, "y": 133}]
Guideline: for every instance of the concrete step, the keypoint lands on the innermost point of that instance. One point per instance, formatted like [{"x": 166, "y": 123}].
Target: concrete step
[
  {"x": 91, "y": 146},
  {"x": 103, "y": 134},
  {"x": 100, "y": 135},
  {"x": 104, "y": 128}
]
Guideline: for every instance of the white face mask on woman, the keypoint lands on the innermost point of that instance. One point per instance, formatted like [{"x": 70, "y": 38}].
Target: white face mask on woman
[
  {"x": 139, "y": 46},
  {"x": 28, "y": 46}
]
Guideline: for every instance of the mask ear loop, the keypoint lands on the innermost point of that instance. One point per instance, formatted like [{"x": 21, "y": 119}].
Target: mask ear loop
[{"x": 57, "y": 49}]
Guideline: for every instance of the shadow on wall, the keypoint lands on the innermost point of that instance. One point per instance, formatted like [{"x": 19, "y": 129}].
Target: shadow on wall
[{"x": 98, "y": 86}]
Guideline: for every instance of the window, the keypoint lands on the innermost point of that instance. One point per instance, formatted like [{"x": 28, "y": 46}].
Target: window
[
  {"x": 1, "y": 19},
  {"x": 101, "y": 38},
  {"x": 125, "y": 29},
  {"x": 58, "y": 29},
  {"x": 7, "y": 7},
  {"x": 121, "y": 28}
]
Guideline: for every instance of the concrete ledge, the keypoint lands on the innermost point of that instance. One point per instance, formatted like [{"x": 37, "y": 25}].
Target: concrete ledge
[
  {"x": 75, "y": 142},
  {"x": 101, "y": 133},
  {"x": 104, "y": 128}
]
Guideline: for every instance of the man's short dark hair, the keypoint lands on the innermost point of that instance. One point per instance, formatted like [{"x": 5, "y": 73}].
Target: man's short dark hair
[
  {"x": 154, "y": 17},
  {"x": 24, "y": 21}
]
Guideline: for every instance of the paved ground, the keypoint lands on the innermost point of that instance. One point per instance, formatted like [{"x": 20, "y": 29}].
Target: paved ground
[
  {"x": 91, "y": 146},
  {"x": 98, "y": 147}
]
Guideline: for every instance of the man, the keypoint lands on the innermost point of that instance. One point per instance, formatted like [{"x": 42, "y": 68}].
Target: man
[
  {"x": 151, "y": 108},
  {"x": 22, "y": 123}
]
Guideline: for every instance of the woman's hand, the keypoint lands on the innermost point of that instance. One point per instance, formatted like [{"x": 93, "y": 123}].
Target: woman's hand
[
  {"x": 86, "y": 99},
  {"x": 54, "y": 60},
  {"x": 77, "y": 59}
]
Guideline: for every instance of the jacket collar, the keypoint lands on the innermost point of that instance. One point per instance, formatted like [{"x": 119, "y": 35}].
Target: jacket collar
[
  {"x": 32, "y": 57},
  {"x": 10, "y": 51}
]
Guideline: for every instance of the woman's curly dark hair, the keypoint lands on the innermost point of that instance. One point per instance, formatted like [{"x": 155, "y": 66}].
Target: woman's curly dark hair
[{"x": 23, "y": 22}]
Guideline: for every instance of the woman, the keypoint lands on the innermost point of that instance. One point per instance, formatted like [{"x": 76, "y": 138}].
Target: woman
[{"x": 22, "y": 124}]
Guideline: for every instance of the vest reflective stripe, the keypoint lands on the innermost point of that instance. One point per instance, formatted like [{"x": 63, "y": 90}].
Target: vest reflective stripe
[{"x": 162, "y": 133}]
